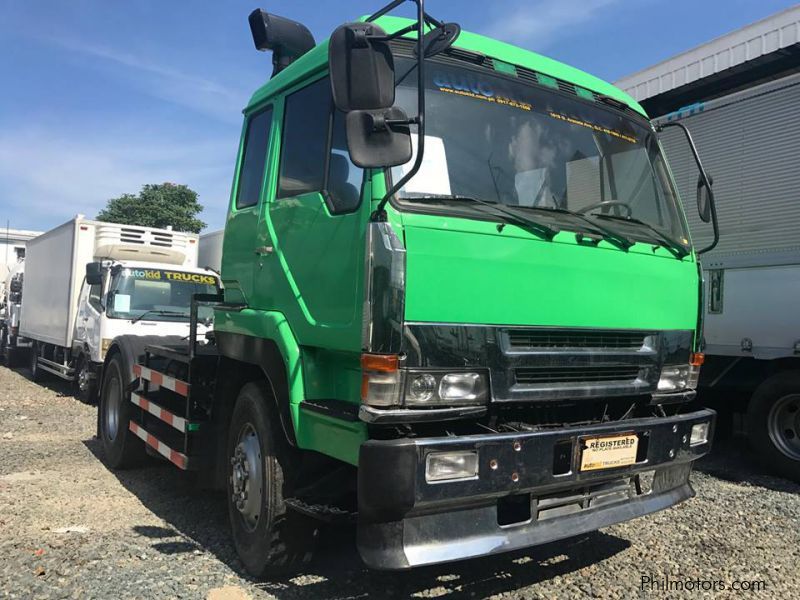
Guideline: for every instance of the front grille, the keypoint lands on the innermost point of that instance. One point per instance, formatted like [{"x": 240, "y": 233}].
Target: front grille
[
  {"x": 542, "y": 338},
  {"x": 574, "y": 375}
]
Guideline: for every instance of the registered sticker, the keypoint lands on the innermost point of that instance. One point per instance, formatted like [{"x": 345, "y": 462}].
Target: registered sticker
[{"x": 609, "y": 452}]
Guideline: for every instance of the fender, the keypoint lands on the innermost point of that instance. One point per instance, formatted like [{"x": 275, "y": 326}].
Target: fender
[
  {"x": 265, "y": 339},
  {"x": 267, "y": 356}
]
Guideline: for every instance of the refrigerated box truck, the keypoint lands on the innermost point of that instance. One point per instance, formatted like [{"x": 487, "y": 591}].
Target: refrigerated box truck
[{"x": 88, "y": 282}]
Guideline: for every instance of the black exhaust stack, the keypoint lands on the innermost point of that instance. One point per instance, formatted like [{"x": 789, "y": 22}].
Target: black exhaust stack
[{"x": 287, "y": 39}]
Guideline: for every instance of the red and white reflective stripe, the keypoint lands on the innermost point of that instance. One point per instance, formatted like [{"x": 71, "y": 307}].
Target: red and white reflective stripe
[
  {"x": 177, "y": 422},
  {"x": 165, "y": 381},
  {"x": 171, "y": 455}
]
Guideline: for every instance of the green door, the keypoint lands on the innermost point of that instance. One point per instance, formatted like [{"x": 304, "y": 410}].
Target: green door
[
  {"x": 241, "y": 242},
  {"x": 316, "y": 226}
]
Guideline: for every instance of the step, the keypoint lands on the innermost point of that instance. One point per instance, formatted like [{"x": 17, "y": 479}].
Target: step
[
  {"x": 170, "y": 418},
  {"x": 179, "y": 459},
  {"x": 161, "y": 380}
]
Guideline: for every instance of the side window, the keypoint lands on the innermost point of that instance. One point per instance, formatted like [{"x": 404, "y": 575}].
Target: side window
[
  {"x": 254, "y": 160},
  {"x": 305, "y": 137},
  {"x": 344, "y": 178},
  {"x": 95, "y": 291}
]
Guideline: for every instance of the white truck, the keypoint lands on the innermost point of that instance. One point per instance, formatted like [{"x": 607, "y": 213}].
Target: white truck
[
  {"x": 12, "y": 345},
  {"x": 88, "y": 282}
]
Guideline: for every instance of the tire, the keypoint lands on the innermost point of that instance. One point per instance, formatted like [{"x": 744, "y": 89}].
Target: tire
[
  {"x": 773, "y": 417},
  {"x": 121, "y": 447},
  {"x": 270, "y": 539},
  {"x": 4, "y": 354},
  {"x": 85, "y": 387},
  {"x": 33, "y": 363}
]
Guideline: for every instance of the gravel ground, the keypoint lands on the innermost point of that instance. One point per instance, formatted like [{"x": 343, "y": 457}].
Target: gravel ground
[{"x": 70, "y": 528}]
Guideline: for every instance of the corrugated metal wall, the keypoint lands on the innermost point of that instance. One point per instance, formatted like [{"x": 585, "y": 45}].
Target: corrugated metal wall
[{"x": 750, "y": 144}]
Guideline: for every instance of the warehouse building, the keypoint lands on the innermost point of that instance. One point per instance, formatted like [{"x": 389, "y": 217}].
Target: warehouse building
[{"x": 739, "y": 95}]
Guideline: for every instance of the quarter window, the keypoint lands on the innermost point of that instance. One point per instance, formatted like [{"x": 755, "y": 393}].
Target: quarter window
[
  {"x": 95, "y": 292},
  {"x": 344, "y": 178},
  {"x": 254, "y": 159}
]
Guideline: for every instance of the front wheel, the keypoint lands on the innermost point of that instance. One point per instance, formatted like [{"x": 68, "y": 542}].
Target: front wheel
[
  {"x": 85, "y": 384},
  {"x": 33, "y": 363},
  {"x": 774, "y": 423},
  {"x": 269, "y": 538},
  {"x": 122, "y": 448}
]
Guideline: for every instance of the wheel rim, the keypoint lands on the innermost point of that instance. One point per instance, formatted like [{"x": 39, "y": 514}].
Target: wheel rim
[
  {"x": 112, "y": 408},
  {"x": 783, "y": 425},
  {"x": 247, "y": 480},
  {"x": 83, "y": 378}
]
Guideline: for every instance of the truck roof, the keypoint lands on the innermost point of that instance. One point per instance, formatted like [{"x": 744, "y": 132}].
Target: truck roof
[{"x": 317, "y": 59}]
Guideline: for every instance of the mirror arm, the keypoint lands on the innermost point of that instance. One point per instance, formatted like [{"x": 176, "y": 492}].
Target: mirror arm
[
  {"x": 704, "y": 176},
  {"x": 379, "y": 214},
  {"x": 386, "y": 9}
]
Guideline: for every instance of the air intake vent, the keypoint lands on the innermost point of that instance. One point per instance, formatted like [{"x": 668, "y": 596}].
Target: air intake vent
[
  {"x": 543, "y": 338},
  {"x": 575, "y": 375}
]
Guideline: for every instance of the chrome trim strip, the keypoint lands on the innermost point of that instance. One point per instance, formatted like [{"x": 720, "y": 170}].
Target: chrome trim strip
[{"x": 379, "y": 416}]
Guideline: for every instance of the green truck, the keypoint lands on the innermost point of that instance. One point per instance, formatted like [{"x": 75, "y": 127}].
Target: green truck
[{"x": 461, "y": 307}]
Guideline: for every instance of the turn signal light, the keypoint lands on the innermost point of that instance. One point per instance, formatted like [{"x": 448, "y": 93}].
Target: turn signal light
[
  {"x": 697, "y": 359},
  {"x": 380, "y": 380}
]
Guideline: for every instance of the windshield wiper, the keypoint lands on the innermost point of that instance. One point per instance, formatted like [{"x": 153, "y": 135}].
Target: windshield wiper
[
  {"x": 676, "y": 248},
  {"x": 153, "y": 311},
  {"x": 611, "y": 236},
  {"x": 537, "y": 228}
]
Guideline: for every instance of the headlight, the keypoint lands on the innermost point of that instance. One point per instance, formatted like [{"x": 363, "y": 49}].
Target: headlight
[{"x": 429, "y": 389}]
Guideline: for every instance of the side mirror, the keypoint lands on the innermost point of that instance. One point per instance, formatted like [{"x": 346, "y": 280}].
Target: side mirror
[
  {"x": 94, "y": 273},
  {"x": 705, "y": 197},
  {"x": 361, "y": 68},
  {"x": 378, "y": 138},
  {"x": 15, "y": 287}
]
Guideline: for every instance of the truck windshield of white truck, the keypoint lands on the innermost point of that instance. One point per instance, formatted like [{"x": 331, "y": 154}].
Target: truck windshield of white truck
[
  {"x": 537, "y": 149},
  {"x": 157, "y": 294}
]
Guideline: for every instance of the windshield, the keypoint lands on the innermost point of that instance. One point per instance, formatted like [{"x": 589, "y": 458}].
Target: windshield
[
  {"x": 158, "y": 294},
  {"x": 500, "y": 140}
]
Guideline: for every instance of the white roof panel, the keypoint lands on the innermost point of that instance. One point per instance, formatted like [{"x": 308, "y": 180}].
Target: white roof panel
[{"x": 748, "y": 43}]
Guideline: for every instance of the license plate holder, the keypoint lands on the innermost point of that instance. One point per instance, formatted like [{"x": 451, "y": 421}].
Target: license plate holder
[{"x": 608, "y": 451}]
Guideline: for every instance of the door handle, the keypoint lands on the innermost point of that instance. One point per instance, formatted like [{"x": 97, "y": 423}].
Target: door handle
[{"x": 261, "y": 250}]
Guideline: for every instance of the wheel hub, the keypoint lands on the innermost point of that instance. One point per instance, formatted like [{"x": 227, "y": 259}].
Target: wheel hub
[
  {"x": 246, "y": 477},
  {"x": 83, "y": 378},
  {"x": 783, "y": 425}
]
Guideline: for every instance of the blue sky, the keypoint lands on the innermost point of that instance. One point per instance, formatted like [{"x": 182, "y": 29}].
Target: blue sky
[{"x": 102, "y": 96}]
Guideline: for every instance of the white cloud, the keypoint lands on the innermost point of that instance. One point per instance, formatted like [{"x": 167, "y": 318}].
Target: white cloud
[
  {"x": 539, "y": 23},
  {"x": 160, "y": 80},
  {"x": 47, "y": 178}
]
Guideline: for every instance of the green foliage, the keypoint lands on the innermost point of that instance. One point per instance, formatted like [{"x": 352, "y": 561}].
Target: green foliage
[{"x": 156, "y": 205}]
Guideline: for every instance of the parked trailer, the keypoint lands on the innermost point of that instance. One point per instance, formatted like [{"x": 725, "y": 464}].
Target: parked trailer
[
  {"x": 749, "y": 140},
  {"x": 466, "y": 352},
  {"x": 88, "y": 282}
]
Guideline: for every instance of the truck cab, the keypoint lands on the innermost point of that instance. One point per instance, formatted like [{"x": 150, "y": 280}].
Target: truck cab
[
  {"x": 135, "y": 298},
  {"x": 460, "y": 303}
]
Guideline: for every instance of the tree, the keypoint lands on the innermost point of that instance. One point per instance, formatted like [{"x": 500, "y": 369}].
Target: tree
[{"x": 156, "y": 205}]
